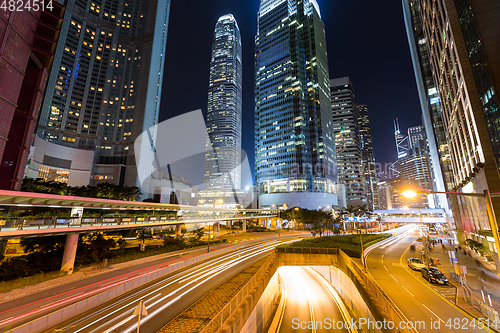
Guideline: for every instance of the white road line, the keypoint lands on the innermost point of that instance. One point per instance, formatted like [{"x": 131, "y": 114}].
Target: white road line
[
  {"x": 408, "y": 291},
  {"x": 215, "y": 261},
  {"x": 433, "y": 313},
  {"x": 386, "y": 268},
  {"x": 393, "y": 277}
]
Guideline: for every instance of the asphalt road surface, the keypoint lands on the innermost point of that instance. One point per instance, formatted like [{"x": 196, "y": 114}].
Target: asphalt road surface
[
  {"x": 413, "y": 295},
  {"x": 310, "y": 306},
  {"x": 21, "y": 310},
  {"x": 167, "y": 297}
]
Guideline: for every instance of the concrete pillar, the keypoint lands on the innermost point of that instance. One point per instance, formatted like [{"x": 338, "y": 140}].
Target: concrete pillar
[
  {"x": 381, "y": 227},
  {"x": 218, "y": 229},
  {"x": 244, "y": 225},
  {"x": 178, "y": 230},
  {"x": 68, "y": 262},
  {"x": 273, "y": 223}
]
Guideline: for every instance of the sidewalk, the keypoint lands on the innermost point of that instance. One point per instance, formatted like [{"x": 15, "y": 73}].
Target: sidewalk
[{"x": 481, "y": 275}]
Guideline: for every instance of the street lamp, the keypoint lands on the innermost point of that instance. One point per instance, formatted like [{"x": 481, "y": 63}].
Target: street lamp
[{"x": 411, "y": 193}]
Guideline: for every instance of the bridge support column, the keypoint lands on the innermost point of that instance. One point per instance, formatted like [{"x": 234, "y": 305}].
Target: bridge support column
[
  {"x": 218, "y": 229},
  {"x": 273, "y": 223},
  {"x": 244, "y": 225},
  {"x": 381, "y": 227},
  {"x": 178, "y": 230},
  {"x": 68, "y": 262}
]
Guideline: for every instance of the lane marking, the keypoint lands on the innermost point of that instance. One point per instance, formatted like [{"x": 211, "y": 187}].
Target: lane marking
[
  {"x": 407, "y": 290},
  {"x": 432, "y": 312},
  {"x": 393, "y": 277}
]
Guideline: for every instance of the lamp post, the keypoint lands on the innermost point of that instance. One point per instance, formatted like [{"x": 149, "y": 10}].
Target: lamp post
[{"x": 489, "y": 206}]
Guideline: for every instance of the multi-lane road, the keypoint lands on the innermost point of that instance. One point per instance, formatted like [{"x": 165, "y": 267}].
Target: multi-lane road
[
  {"x": 21, "y": 310},
  {"x": 416, "y": 298}
]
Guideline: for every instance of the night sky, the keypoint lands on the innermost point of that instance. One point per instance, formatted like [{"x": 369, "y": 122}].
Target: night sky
[{"x": 366, "y": 41}]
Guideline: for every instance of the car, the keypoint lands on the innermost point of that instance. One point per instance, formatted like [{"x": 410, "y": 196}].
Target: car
[
  {"x": 434, "y": 275},
  {"x": 415, "y": 264}
]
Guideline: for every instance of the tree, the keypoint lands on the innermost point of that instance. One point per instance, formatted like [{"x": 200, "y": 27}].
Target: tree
[
  {"x": 103, "y": 190},
  {"x": 43, "y": 244}
]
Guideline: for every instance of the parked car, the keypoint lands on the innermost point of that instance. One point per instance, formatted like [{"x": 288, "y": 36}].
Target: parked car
[
  {"x": 415, "y": 264},
  {"x": 434, "y": 275}
]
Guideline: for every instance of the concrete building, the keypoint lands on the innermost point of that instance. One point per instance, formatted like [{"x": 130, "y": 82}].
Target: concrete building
[
  {"x": 27, "y": 45},
  {"x": 295, "y": 162},
  {"x": 104, "y": 89},
  {"x": 455, "y": 48},
  {"x": 347, "y": 140},
  {"x": 415, "y": 134}
]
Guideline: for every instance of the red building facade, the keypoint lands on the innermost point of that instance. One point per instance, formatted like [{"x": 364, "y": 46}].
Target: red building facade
[{"x": 28, "y": 42}]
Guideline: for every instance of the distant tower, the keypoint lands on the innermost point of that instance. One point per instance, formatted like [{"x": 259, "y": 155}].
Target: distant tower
[
  {"x": 347, "y": 140},
  {"x": 222, "y": 171},
  {"x": 368, "y": 167}
]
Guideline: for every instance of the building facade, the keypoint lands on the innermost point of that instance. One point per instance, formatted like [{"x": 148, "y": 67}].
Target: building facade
[
  {"x": 368, "y": 159},
  {"x": 27, "y": 44},
  {"x": 295, "y": 163},
  {"x": 347, "y": 140},
  {"x": 458, "y": 42},
  {"x": 104, "y": 89},
  {"x": 223, "y": 157},
  {"x": 415, "y": 134}
]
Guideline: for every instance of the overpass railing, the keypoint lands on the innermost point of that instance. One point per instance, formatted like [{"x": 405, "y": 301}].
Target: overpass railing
[
  {"x": 307, "y": 250},
  {"x": 20, "y": 223}
]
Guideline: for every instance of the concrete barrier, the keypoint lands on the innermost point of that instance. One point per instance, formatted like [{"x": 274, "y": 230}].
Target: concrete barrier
[
  {"x": 264, "y": 307},
  {"x": 370, "y": 300}
]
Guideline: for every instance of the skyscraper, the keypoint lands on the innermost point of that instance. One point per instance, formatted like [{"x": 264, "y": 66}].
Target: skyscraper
[
  {"x": 347, "y": 140},
  {"x": 415, "y": 134},
  {"x": 222, "y": 171},
  {"x": 455, "y": 47},
  {"x": 294, "y": 145},
  {"x": 103, "y": 91},
  {"x": 27, "y": 44},
  {"x": 368, "y": 160}
]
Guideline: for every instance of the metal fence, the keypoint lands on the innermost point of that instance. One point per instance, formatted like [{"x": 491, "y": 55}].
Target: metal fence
[
  {"x": 234, "y": 303},
  {"x": 369, "y": 285},
  {"x": 487, "y": 311}
]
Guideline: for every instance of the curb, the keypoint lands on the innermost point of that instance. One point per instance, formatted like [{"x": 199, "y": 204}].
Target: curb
[{"x": 456, "y": 306}]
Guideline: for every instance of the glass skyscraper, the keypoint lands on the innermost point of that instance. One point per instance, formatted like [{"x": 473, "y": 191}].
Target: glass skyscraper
[
  {"x": 103, "y": 91},
  {"x": 368, "y": 159},
  {"x": 295, "y": 163},
  {"x": 222, "y": 160},
  {"x": 347, "y": 140},
  {"x": 454, "y": 47}
]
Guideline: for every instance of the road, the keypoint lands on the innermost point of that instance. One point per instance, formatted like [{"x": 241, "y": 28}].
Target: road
[
  {"x": 308, "y": 301},
  {"x": 18, "y": 311},
  {"x": 415, "y": 297},
  {"x": 167, "y": 297}
]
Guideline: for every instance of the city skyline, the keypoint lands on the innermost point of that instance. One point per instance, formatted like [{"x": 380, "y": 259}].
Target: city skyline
[{"x": 386, "y": 101}]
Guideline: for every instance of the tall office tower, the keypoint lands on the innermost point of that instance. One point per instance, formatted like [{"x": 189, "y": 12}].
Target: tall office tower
[
  {"x": 368, "y": 160},
  {"x": 103, "y": 91},
  {"x": 457, "y": 43},
  {"x": 222, "y": 171},
  {"x": 27, "y": 44},
  {"x": 347, "y": 140},
  {"x": 415, "y": 134},
  {"x": 294, "y": 145}
]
